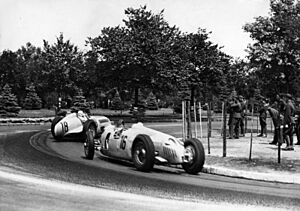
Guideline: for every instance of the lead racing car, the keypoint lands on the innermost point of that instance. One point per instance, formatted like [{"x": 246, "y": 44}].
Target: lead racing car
[{"x": 144, "y": 147}]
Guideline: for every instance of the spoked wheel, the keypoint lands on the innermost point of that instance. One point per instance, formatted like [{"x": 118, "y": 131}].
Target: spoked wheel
[
  {"x": 194, "y": 156},
  {"x": 143, "y": 153},
  {"x": 89, "y": 144}
]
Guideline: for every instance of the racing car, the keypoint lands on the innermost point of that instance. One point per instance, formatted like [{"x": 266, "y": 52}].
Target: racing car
[
  {"x": 75, "y": 124},
  {"x": 144, "y": 147}
]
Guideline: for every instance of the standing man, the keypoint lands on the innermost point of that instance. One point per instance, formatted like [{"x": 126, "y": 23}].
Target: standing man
[
  {"x": 230, "y": 120},
  {"x": 236, "y": 106},
  {"x": 243, "y": 114},
  {"x": 277, "y": 119},
  {"x": 288, "y": 110},
  {"x": 297, "y": 126},
  {"x": 263, "y": 119}
]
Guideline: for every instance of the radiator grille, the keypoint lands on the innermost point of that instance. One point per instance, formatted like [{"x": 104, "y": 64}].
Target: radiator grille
[{"x": 169, "y": 152}]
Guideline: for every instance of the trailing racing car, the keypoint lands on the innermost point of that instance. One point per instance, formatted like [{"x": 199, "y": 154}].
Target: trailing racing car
[
  {"x": 74, "y": 125},
  {"x": 145, "y": 147}
]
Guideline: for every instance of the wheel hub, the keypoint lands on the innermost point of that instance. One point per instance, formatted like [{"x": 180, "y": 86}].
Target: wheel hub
[{"x": 188, "y": 155}]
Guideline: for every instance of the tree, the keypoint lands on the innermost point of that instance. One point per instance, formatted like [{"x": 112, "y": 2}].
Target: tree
[
  {"x": 62, "y": 67},
  {"x": 80, "y": 103},
  {"x": 29, "y": 64},
  {"x": 9, "y": 71},
  {"x": 8, "y": 103},
  {"x": 275, "y": 53},
  {"x": 137, "y": 52},
  {"x": 32, "y": 100},
  {"x": 116, "y": 102},
  {"x": 151, "y": 102},
  {"x": 197, "y": 63}
]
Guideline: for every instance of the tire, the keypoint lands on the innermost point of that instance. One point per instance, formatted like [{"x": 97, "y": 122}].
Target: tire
[
  {"x": 88, "y": 126},
  {"x": 143, "y": 153},
  {"x": 54, "y": 122},
  {"x": 89, "y": 146},
  {"x": 196, "y": 149}
]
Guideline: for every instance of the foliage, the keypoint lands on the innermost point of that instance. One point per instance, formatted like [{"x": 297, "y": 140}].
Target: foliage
[
  {"x": 151, "y": 102},
  {"x": 198, "y": 63},
  {"x": 62, "y": 67},
  {"x": 275, "y": 53},
  {"x": 116, "y": 102},
  {"x": 8, "y": 103},
  {"x": 80, "y": 103},
  {"x": 32, "y": 100},
  {"x": 137, "y": 52}
]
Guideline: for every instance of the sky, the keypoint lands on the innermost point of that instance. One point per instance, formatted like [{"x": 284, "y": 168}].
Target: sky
[{"x": 33, "y": 21}]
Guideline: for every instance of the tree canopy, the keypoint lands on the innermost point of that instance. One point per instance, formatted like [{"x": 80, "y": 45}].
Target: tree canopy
[{"x": 275, "y": 54}]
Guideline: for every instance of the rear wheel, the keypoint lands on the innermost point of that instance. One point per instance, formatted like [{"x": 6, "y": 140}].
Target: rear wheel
[
  {"x": 143, "y": 153},
  {"x": 53, "y": 124},
  {"x": 194, "y": 156}
]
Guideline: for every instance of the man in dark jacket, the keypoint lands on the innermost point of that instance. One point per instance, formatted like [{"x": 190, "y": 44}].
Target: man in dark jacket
[
  {"x": 243, "y": 114},
  {"x": 263, "y": 119},
  {"x": 277, "y": 119},
  {"x": 288, "y": 110},
  {"x": 236, "y": 117}
]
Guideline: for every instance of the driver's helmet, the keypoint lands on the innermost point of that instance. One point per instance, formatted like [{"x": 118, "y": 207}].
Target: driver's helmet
[
  {"x": 81, "y": 115},
  {"x": 120, "y": 123}
]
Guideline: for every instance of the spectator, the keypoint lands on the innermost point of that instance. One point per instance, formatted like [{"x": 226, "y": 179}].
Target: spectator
[
  {"x": 230, "y": 120},
  {"x": 289, "y": 122},
  {"x": 288, "y": 110},
  {"x": 277, "y": 119},
  {"x": 234, "y": 125},
  {"x": 297, "y": 126},
  {"x": 243, "y": 114},
  {"x": 263, "y": 119}
]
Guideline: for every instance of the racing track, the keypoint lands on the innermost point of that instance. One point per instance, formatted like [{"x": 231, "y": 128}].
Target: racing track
[{"x": 39, "y": 153}]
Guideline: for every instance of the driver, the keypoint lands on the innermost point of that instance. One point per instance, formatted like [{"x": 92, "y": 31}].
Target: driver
[
  {"x": 120, "y": 126},
  {"x": 82, "y": 116}
]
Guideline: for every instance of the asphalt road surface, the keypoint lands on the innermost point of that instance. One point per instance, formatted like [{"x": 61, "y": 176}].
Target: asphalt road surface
[{"x": 49, "y": 169}]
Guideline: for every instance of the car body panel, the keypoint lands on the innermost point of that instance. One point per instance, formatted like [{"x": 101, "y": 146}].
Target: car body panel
[
  {"x": 73, "y": 124},
  {"x": 118, "y": 142}
]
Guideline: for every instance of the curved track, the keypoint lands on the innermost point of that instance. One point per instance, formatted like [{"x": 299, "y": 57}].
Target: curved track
[{"x": 40, "y": 154}]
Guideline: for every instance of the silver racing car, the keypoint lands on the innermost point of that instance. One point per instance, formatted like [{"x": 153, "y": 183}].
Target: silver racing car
[
  {"x": 144, "y": 147},
  {"x": 74, "y": 125}
]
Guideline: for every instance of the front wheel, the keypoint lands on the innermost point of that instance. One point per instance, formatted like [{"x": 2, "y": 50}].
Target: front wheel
[
  {"x": 194, "y": 156},
  {"x": 143, "y": 153},
  {"x": 53, "y": 124},
  {"x": 89, "y": 144}
]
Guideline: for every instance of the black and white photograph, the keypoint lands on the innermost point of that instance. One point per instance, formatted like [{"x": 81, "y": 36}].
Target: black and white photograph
[{"x": 151, "y": 105}]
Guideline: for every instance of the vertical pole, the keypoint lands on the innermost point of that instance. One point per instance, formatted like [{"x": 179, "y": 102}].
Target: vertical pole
[
  {"x": 224, "y": 129},
  {"x": 195, "y": 120},
  {"x": 251, "y": 137},
  {"x": 189, "y": 128},
  {"x": 183, "y": 120},
  {"x": 280, "y": 141},
  {"x": 257, "y": 123},
  {"x": 208, "y": 128},
  {"x": 222, "y": 119},
  {"x": 246, "y": 119},
  {"x": 209, "y": 119},
  {"x": 200, "y": 120}
]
